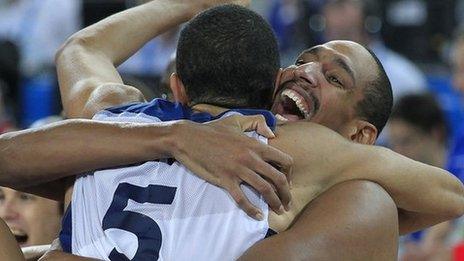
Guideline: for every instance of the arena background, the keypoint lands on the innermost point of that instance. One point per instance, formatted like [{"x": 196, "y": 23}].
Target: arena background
[{"x": 420, "y": 42}]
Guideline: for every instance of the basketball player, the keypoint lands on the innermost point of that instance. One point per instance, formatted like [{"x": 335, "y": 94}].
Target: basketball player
[{"x": 125, "y": 184}]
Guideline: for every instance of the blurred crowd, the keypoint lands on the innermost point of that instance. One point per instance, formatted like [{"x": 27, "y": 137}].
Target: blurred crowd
[{"x": 419, "y": 42}]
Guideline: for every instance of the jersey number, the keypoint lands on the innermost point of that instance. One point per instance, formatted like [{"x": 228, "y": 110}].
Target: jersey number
[{"x": 147, "y": 231}]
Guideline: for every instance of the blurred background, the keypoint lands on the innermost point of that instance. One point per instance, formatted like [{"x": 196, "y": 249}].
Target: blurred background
[{"x": 419, "y": 42}]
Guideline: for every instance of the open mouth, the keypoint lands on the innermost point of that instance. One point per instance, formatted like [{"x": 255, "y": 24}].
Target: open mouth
[
  {"x": 21, "y": 237},
  {"x": 293, "y": 107}
]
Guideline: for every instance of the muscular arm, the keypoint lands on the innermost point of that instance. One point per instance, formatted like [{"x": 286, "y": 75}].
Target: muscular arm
[
  {"x": 424, "y": 194},
  {"x": 70, "y": 147},
  {"x": 356, "y": 220},
  {"x": 86, "y": 64},
  {"x": 35, "y": 156}
]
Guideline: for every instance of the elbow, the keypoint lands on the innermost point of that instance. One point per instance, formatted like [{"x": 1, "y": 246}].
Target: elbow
[
  {"x": 77, "y": 42},
  {"x": 64, "y": 48}
]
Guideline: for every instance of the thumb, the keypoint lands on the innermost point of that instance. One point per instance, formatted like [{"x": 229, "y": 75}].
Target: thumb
[{"x": 256, "y": 123}]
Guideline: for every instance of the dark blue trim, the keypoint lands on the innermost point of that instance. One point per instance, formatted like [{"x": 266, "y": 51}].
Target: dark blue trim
[
  {"x": 168, "y": 111},
  {"x": 66, "y": 231},
  {"x": 270, "y": 233}
]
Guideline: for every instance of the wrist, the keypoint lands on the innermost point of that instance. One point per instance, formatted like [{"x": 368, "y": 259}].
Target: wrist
[{"x": 175, "y": 136}]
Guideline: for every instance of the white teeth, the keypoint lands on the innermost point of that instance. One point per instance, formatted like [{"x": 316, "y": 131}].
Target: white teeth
[
  {"x": 18, "y": 232},
  {"x": 298, "y": 101},
  {"x": 280, "y": 117}
]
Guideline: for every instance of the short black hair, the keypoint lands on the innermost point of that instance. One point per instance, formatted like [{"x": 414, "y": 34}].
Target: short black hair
[
  {"x": 377, "y": 103},
  {"x": 228, "y": 56},
  {"x": 422, "y": 111}
]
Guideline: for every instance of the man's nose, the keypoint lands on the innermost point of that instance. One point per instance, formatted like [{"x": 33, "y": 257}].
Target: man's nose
[
  {"x": 8, "y": 210},
  {"x": 308, "y": 73},
  {"x": 288, "y": 73}
]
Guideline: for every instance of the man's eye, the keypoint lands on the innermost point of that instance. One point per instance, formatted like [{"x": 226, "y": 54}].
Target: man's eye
[
  {"x": 335, "y": 80},
  {"x": 299, "y": 62},
  {"x": 26, "y": 197}
]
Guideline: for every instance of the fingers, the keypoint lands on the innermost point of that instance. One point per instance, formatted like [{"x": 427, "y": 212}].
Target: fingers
[
  {"x": 264, "y": 130},
  {"x": 280, "y": 182},
  {"x": 255, "y": 123},
  {"x": 247, "y": 123},
  {"x": 243, "y": 202},
  {"x": 283, "y": 160},
  {"x": 265, "y": 189}
]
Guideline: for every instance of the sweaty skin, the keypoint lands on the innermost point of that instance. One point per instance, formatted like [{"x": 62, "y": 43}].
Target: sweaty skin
[{"x": 367, "y": 230}]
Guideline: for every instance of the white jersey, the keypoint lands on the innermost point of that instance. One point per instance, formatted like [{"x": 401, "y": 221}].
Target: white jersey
[{"x": 158, "y": 210}]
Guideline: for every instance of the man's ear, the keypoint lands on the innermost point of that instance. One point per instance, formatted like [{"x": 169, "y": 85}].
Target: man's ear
[
  {"x": 277, "y": 82},
  {"x": 178, "y": 89},
  {"x": 362, "y": 132}
]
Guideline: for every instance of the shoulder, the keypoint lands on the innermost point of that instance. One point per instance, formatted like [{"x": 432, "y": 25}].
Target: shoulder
[{"x": 308, "y": 142}]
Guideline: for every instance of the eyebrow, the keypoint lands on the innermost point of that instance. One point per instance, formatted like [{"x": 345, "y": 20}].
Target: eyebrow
[{"x": 338, "y": 60}]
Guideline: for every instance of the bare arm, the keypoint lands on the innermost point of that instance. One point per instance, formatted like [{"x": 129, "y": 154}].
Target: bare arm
[
  {"x": 426, "y": 195},
  {"x": 86, "y": 64},
  {"x": 355, "y": 220},
  {"x": 35, "y": 156},
  {"x": 70, "y": 147}
]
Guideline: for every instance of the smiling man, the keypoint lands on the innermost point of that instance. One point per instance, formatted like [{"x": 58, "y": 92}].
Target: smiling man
[
  {"x": 340, "y": 85},
  {"x": 322, "y": 158}
]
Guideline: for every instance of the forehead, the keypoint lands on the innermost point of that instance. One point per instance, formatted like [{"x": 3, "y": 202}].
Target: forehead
[{"x": 356, "y": 57}]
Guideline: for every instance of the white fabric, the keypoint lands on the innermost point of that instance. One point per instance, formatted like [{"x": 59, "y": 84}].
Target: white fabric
[{"x": 202, "y": 223}]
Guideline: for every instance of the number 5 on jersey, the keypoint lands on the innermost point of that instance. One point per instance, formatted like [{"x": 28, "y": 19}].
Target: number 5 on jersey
[{"x": 146, "y": 229}]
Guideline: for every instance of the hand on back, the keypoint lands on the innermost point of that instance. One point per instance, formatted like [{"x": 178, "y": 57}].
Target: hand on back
[{"x": 221, "y": 154}]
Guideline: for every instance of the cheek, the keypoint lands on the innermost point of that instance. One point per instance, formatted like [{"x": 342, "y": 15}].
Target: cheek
[
  {"x": 43, "y": 222},
  {"x": 335, "y": 110}
]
